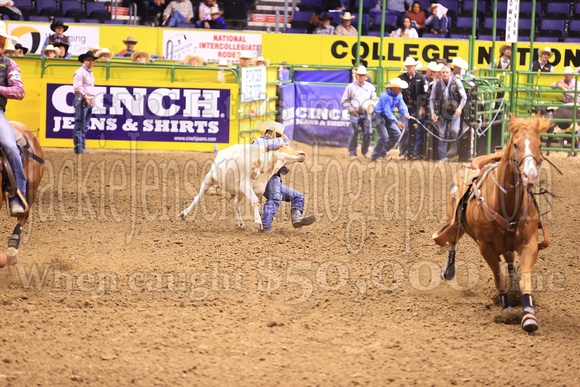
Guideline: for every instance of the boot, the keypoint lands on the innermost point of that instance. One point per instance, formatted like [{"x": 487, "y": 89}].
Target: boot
[{"x": 298, "y": 220}]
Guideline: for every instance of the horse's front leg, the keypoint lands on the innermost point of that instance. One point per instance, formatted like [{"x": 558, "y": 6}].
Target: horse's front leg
[
  {"x": 492, "y": 259},
  {"x": 528, "y": 256},
  {"x": 513, "y": 273},
  {"x": 14, "y": 241}
]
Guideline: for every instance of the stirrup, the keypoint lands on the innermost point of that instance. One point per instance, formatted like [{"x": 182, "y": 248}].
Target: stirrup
[{"x": 19, "y": 194}]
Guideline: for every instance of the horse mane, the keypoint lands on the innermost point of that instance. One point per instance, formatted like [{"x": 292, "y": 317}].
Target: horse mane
[{"x": 536, "y": 124}]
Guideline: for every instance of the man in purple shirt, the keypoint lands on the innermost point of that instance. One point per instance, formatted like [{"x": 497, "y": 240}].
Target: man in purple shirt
[
  {"x": 11, "y": 87},
  {"x": 388, "y": 125},
  {"x": 569, "y": 84},
  {"x": 84, "y": 89}
]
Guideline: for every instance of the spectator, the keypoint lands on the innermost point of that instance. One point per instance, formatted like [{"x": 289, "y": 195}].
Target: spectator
[
  {"x": 417, "y": 16},
  {"x": 337, "y": 5},
  {"x": 59, "y": 29},
  {"x": 505, "y": 53},
  {"x": 415, "y": 99},
  {"x": 156, "y": 7},
  {"x": 20, "y": 50},
  {"x": 447, "y": 100},
  {"x": 324, "y": 28},
  {"x": 568, "y": 83},
  {"x": 63, "y": 50},
  {"x": 438, "y": 19},
  {"x": 406, "y": 31},
  {"x": 84, "y": 89},
  {"x": 393, "y": 7},
  {"x": 245, "y": 58},
  {"x": 140, "y": 57},
  {"x": 95, "y": 49},
  {"x": 431, "y": 72},
  {"x": 216, "y": 22},
  {"x": 261, "y": 61},
  {"x": 50, "y": 51},
  {"x": 204, "y": 13},
  {"x": 456, "y": 67},
  {"x": 9, "y": 49},
  {"x": 193, "y": 60},
  {"x": 345, "y": 28},
  {"x": 178, "y": 11},
  {"x": 130, "y": 43},
  {"x": 7, "y": 8},
  {"x": 388, "y": 125},
  {"x": 104, "y": 55},
  {"x": 355, "y": 95},
  {"x": 542, "y": 64},
  {"x": 221, "y": 77}
]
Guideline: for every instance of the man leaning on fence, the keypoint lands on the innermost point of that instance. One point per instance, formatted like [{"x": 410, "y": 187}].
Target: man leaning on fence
[
  {"x": 354, "y": 97},
  {"x": 569, "y": 83},
  {"x": 447, "y": 100},
  {"x": 414, "y": 97}
]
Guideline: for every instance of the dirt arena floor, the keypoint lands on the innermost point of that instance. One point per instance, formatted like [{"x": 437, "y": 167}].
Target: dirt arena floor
[{"x": 112, "y": 289}]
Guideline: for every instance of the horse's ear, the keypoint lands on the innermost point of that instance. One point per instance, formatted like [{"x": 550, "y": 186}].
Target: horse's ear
[
  {"x": 541, "y": 124},
  {"x": 513, "y": 127}
]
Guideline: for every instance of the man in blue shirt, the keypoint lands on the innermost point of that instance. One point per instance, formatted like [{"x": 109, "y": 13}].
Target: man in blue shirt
[
  {"x": 276, "y": 192},
  {"x": 388, "y": 125}
]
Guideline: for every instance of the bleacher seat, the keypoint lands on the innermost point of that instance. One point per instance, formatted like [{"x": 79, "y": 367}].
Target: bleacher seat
[
  {"x": 452, "y": 7},
  {"x": 73, "y": 8},
  {"x": 429, "y": 35},
  {"x": 547, "y": 39},
  {"x": 501, "y": 9},
  {"x": 26, "y": 7},
  {"x": 311, "y": 5},
  {"x": 464, "y": 25},
  {"x": 235, "y": 10},
  {"x": 500, "y": 26},
  {"x": 375, "y": 33},
  {"x": 367, "y": 4},
  {"x": 390, "y": 23},
  {"x": 572, "y": 40},
  {"x": 527, "y": 10},
  {"x": 577, "y": 12},
  {"x": 48, "y": 8},
  {"x": 116, "y": 22},
  {"x": 485, "y": 37},
  {"x": 97, "y": 10},
  {"x": 468, "y": 6},
  {"x": 65, "y": 20},
  {"x": 574, "y": 29},
  {"x": 335, "y": 17},
  {"x": 89, "y": 21},
  {"x": 551, "y": 28},
  {"x": 38, "y": 18},
  {"x": 558, "y": 11},
  {"x": 301, "y": 19},
  {"x": 523, "y": 38},
  {"x": 458, "y": 36},
  {"x": 525, "y": 27},
  {"x": 365, "y": 23},
  {"x": 185, "y": 25},
  {"x": 296, "y": 31}
]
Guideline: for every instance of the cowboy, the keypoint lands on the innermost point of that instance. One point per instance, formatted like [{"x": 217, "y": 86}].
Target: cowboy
[
  {"x": 223, "y": 63},
  {"x": 193, "y": 60},
  {"x": 447, "y": 100},
  {"x": 50, "y": 51},
  {"x": 58, "y": 37},
  {"x": 414, "y": 97},
  {"x": 388, "y": 125},
  {"x": 324, "y": 28},
  {"x": 84, "y": 89},
  {"x": 353, "y": 98},
  {"x": 569, "y": 84},
  {"x": 11, "y": 87},
  {"x": 130, "y": 43},
  {"x": 505, "y": 54},
  {"x": 456, "y": 67},
  {"x": 245, "y": 58},
  {"x": 20, "y": 50},
  {"x": 216, "y": 22},
  {"x": 541, "y": 64},
  {"x": 276, "y": 192},
  {"x": 104, "y": 54},
  {"x": 62, "y": 50},
  {"x": 178, "y": 11},
  {"x": 261, "y": 61},
  {"x": 10, "y": 50},
  {"x": 140, "y": 57},
  {"x": 345, "y": 28}
]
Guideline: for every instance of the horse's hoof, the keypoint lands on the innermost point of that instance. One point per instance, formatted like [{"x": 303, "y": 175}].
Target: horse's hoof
[
  {"x": 506, "y": 310},
  {"x": 529, "y": 323},
  {"x": 242, "y": 226},
  {"x": 259, "y": 226},
  {"x": 449, "y": 272},
  {"x": 12, "y": 255}
]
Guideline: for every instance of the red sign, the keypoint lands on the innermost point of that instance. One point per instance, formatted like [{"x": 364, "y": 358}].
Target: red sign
[{"x": 263, "y": 18}]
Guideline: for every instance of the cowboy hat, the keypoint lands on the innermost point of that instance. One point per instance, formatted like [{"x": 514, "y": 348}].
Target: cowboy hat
[
  {"x": 432, "y": 7},
  {"x": 214, "y": 10},
  {"x": 362, "y": 70},
  {"x": 224, "y": 63},
  {"x": 104, "y": 51},
  {"x": 20, "y": 47},
  {"x": 4, "y": 32},
  {"x": 420, "y": 66},
  {"x": 567, "y": 70},
  {"x": 276, "y": 127},
  {"x": 187, "y": 58},
  {"x": 130, "y": 39},
  {"x": 440, "y": 66},
  {"x": 545, "y": 49},
  {"x": 86, "y": 55},
  {"x": 433, "y": 66},
  {"x": 504, "y": 47},
  {"x": 50, "y": 47},
  {"x": 97, "y": 48},
  {"x": 397, "y": 82},
  {"x": 347, "y": 16},
  {"x": 410, "y": 62},
  {"x": 61, "y": 44},
  {"x": 261, "y": 59},
  {"x": 137, "y": 53},
  {"x": 58, "y": 23},
  {"x": 245, "y": 55},
  {"x": 457, "y": 61},
  {"x": 9, "y": 46}
]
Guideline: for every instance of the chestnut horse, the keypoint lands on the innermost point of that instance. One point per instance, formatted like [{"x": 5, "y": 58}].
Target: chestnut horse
[
  {"x": 494, "y": 204},
  {"x": 33, "y": 169}
]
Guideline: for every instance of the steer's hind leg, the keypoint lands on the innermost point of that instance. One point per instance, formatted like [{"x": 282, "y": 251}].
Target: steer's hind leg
[
  {"x": 208, "y": 182},
  {"x": 246, "y": 188},
  {"x": 238, "y": 211}
]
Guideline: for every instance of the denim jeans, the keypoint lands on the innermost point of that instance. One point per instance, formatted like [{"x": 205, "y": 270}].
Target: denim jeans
[
  {"x": 82, "y": 122},
  {"x": 388, "y": 132},
  {"x": 276, "y": 193},
  {"x": 439, "y": 24},
  {"x": 364, "y": 120},
  {"x": 448, "y": 129},
  {"x": 176, "y": 18},
  {"x": 12, "y": 153}
]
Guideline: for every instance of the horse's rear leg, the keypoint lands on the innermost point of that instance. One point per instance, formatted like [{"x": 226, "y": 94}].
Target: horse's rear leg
[
  {"x": 208, "y": 182},
  {"x": 449, "y": 270},
  {"x": 493, "y": 261},
  {"x": 14, "y": 241}
]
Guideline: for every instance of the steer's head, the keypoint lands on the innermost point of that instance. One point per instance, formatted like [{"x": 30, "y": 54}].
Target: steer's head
[{"x": 288, "y": 155}]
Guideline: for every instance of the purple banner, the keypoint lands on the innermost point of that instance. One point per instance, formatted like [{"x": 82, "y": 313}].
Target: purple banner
[
  {"x": 143, "y": 114},
  {"x": 287, "y": 95},
  {"x": 319, "y": 117}
]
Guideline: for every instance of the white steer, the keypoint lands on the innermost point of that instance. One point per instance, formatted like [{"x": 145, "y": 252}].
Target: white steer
[{"x": 244, "y": 170}]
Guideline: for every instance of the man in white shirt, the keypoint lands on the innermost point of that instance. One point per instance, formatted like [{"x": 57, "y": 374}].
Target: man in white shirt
[{"x": 84, "y": 102}]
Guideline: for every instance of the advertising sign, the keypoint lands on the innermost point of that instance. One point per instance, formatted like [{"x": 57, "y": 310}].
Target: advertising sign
[{"x": 32, "y": 36}]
